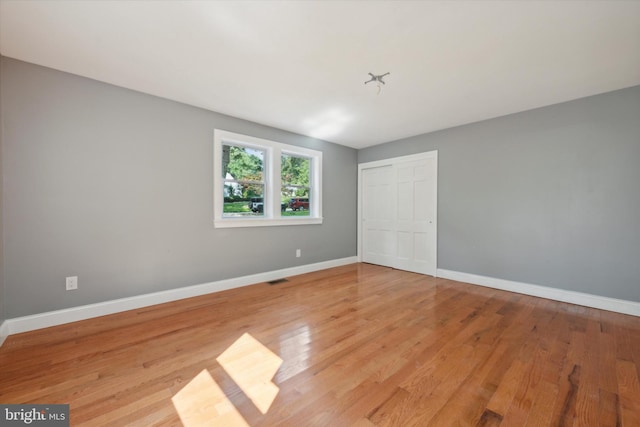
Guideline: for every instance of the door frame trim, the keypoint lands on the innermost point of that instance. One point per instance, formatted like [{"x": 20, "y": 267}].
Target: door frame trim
[{"x": 390, "y": 162}]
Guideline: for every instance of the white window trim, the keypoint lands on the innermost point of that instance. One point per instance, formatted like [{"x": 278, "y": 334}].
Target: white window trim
[{"x": 272, "y": 180}]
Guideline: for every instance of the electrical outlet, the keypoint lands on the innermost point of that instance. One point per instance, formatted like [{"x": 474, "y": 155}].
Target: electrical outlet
[
  {"x": 72, "y": 283},
  {"x": 298, "y": 253}
]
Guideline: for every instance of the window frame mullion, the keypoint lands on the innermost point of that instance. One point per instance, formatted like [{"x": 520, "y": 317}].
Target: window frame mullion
[{"x": 274, "y": 175}]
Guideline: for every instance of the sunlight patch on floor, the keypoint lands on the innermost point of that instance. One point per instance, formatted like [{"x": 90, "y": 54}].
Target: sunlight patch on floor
[
  {"x": 202, "y": 402},
  {"x": 252, "y": 366}
]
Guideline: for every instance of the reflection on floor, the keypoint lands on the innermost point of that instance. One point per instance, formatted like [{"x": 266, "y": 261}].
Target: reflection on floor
[
  {"x": 202, "y": 402},
  {"x": 251, "y": 365}
]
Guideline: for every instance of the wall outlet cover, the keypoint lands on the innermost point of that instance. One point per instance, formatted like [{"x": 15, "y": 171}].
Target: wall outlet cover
[{"x": 72, "y": 283}]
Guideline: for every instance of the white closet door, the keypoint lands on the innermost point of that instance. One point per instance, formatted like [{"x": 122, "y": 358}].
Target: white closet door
[
  {"x": 378, "y": 216},
  {"x": 399, "y": 214},
  {"x": 416, "y": 213}
]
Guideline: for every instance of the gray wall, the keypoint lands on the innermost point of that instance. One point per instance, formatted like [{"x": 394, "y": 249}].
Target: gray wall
[
  {"x": 549, "y": 196},
  {"x": 115, "y": 186},
  {"x": 2, "y": 316}
]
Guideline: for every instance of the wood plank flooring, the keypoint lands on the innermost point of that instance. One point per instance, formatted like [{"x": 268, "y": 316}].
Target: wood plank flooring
[{"x": 358, "y": 345}]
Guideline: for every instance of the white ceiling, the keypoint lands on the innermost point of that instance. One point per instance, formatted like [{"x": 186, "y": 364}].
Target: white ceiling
[{"x": 301, "y": 66}]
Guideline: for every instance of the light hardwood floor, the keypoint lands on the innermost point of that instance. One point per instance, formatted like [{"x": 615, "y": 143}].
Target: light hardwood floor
[{"x": 355, "y": 345}]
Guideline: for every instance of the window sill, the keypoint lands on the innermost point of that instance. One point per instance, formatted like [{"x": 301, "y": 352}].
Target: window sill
[{"x": 263, "y": 222}]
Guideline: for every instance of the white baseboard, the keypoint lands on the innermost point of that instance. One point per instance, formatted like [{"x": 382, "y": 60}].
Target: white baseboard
[
  {"x": 4, "y": 331},
  {"x": 579, "y": 298},
  {"x": 59, "y": 317}
]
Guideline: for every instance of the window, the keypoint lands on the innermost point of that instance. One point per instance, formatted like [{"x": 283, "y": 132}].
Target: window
[{"x": 258, "y": 182}]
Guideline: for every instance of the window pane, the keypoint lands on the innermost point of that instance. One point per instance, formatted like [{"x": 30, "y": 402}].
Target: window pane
[
  {"x": 243, "y": 200},
  {"x": 243, "y": 170},
  {"x": 295, "y": 170},
  {"x": 295, "y": 175},
  {"x": 296, "y": 201},
  {"x": 242, "y": 163}
]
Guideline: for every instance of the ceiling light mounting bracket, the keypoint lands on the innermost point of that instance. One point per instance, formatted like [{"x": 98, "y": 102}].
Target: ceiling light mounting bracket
[{"x": 377, "y": 78}]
